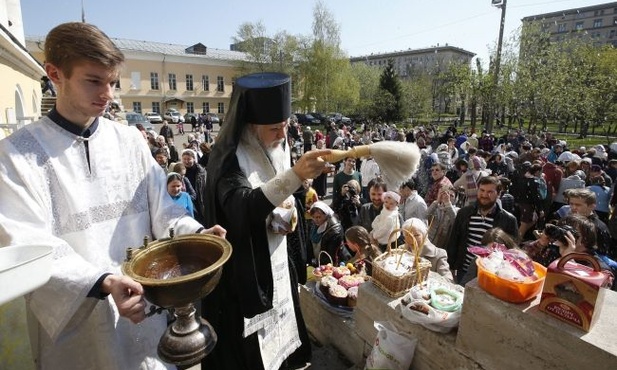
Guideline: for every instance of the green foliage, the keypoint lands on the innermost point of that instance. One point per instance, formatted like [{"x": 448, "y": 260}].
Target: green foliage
[
  {"x": 569, "y": 82},
  {"x": 417, "y": 93},
  {"x": 272, "y": 54},
  {"x": 367, "y": 80},
  {"x": 389, "y": 100}
]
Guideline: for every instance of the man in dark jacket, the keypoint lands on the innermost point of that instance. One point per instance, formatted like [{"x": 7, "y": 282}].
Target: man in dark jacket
[{"x": 473, "y": 220}]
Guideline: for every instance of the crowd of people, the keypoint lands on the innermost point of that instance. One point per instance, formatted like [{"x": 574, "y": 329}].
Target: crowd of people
[
  {"x": 62, "y": 183},
  {"x": 468, "y": 185}
]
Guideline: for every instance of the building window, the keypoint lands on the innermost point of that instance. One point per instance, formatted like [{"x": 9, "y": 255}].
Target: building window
[
  {"x": 205, "y": 107},
  {"x": 611, "y": 34},
  {"x": 189, "y": 83},
  {"x": 578, "y": 26},
  {"x": 597, "y": 23},
  {"x": 220, "y": 84},
  {"x": 135, "y": 80},
  {"x": 205, "y": 82},
  {"x": 154, "y": 81},
  {"x": 172, "y": 81},
  {"x": 614, "y": 21},
  {"x": 137, "y": 106},
  {"x": 221, "y": 107},
  {"x": 190, "y": 108},
  {"x": 156, "y": 107},
  {"x": 562, "y": 27}
]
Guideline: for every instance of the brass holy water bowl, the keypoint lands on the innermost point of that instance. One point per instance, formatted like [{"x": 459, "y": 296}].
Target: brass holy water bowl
[{"x": 175, "y": 273}]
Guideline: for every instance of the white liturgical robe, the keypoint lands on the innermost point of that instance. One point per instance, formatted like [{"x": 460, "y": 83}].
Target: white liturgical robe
[{"x": 89, "y": 208}]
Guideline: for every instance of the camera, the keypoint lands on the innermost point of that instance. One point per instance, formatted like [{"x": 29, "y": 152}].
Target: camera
[
  {"x": 558, "y": 233},
  {"x": 351, "y": 191}
]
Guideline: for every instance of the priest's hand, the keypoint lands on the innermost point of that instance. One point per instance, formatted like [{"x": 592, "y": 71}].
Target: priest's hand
[
  {"x": 217, "y": 230},
  {"x": 310, "y": 164},
  {"x": 128, "y": 296}
]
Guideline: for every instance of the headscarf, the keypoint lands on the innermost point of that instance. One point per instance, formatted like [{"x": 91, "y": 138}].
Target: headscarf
[
  {"x": 392, "y": 195},
  {"x": 417, "y": 224},
  {"x": 323, "y": 207}
]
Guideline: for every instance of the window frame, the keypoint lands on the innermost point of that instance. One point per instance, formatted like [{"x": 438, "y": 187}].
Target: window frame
[
  {"x": 189, "y": 82},
  {"x": 172, "y": 81},
  {"x": 205, "y": 82},
  {"x": 220, "y": 83},
  {"x": 154, "y": 81}
]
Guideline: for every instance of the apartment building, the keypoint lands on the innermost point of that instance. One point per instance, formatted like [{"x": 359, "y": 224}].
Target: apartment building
[
  {"x": 159, "y": 76},
  {"x": 597, "y": 23},
  {"x": 20, "y": 73},
  {"x": 412, "y": 61}
]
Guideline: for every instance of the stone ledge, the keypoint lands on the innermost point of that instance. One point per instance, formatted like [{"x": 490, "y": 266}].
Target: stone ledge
[
  {"x": 330, "y": 328},
  {"x": 493, "y": 334},
  {"x": 501, "y": 335}
]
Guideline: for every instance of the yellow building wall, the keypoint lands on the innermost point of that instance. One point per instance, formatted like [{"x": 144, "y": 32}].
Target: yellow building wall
[
  {"x": 20, "y": 96},
  {"x": 164, "y": 65},
  {"x": 130, "y": 92}
]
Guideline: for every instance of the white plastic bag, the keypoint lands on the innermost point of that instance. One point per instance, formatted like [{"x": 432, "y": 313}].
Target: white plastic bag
[
  {"x": 415, "y": 306},
  {"x": 391, "y": 349}
]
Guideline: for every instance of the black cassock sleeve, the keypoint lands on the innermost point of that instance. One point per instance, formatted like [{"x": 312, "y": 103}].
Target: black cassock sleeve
[{"x": 243, "y": 212}]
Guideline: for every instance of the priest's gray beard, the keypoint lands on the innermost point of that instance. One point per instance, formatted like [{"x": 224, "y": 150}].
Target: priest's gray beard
[{"x": 277, "y": 152}]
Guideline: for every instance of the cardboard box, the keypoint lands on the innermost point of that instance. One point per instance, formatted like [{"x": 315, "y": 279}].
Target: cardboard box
[{"x": 572, "y": 291}]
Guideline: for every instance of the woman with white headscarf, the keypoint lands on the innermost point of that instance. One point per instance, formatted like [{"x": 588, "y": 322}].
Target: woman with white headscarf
[
  {"x": 327, "y": 235},
  {"x": 437, "y": 256}
]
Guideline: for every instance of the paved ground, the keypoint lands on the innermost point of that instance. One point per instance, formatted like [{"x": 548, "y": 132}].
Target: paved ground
[{"x": 328, "y": 358}]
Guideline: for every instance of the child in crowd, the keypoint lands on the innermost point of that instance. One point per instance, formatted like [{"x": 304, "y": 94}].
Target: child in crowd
[
  {"x": 180, "y": 169},
  {"x": 492, "y": 235},
  {"x": 387, "y": 221},
  {"x": 182, "y": 198},
  {"x": 310, "y": 197},
  {"x": 359, "y": 241}
]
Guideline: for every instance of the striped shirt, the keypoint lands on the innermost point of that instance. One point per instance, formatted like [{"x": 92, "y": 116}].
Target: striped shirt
[{"x": 478, "y": 225}]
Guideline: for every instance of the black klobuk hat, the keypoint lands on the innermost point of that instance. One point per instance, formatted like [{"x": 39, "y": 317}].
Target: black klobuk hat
[{"x": 266, "y": 97}]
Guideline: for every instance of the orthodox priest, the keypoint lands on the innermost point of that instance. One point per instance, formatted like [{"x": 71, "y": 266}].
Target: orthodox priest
[
  {"x": 250, "y": 185},
  {"x": 63, "y": 184}
]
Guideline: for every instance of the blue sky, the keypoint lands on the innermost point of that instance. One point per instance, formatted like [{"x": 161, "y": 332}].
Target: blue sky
[{"x": 366, "y": 26}]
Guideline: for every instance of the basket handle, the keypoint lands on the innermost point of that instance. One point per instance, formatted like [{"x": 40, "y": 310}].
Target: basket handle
[
  {"x": 416, "y": 251},
  {"x": 579, "y": 256},
  {"x": 415, "y": 246},
  {"x": 319, "y": 258}
]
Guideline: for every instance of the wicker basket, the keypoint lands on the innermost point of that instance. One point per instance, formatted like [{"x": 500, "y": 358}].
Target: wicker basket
[
  {"x": 396, "y": 286},
  {"x": 318, "y": 276}
]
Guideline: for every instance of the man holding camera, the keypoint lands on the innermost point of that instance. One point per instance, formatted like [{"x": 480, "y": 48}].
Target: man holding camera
[{"x": 348, "y": 173}]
